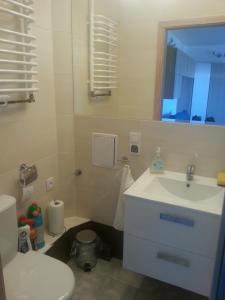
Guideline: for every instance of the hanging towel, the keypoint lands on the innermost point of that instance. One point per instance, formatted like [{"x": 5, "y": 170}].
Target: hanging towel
[{"x": 126, "y": 181}]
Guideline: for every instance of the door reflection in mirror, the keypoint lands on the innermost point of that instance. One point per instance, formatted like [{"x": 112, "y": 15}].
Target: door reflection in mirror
[{"x": 194, "y": 75}]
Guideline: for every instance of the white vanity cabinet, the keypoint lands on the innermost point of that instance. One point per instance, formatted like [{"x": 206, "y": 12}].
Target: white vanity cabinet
[{"x": 170, "y": 243}]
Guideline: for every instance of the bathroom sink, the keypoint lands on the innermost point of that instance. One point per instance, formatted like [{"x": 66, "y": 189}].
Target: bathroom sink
[
  {"x": 202, "y": 193},
  {"x": 190, "y": 191}
]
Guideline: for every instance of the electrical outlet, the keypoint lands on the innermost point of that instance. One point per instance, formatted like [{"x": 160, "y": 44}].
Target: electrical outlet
[{"x": 49, "y": 183}]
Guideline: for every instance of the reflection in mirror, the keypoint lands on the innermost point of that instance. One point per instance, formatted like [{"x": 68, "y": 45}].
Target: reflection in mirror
[{"x": 194, "y": 75}]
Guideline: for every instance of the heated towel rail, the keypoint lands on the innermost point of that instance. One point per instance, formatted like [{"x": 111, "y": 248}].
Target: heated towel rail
[
  {"x": 17, "y": 52},
  {"x": 104, "y": 42}
]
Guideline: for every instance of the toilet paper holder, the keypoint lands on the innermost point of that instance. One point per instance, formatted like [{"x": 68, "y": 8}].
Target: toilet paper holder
[{"x": 28, "y": 174}]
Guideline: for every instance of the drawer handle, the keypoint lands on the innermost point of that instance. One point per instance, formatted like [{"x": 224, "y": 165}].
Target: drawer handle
[
  {"x": 174, "y": 259},
  {"x": 178, "y": 220}
]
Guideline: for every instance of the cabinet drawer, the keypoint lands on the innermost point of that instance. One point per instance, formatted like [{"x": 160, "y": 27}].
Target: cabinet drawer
[
  {"x": 176, "y": 267},
  {"x": 171, "y": 225}
]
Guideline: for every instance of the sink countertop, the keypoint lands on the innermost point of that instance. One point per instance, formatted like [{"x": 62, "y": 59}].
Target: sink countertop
[{"x": 212, "y": 205}]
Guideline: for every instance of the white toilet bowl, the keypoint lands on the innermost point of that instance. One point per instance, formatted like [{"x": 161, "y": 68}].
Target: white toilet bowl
[
  {"x": 30, "y": 276},
  {"x": 34, "y": 276}
]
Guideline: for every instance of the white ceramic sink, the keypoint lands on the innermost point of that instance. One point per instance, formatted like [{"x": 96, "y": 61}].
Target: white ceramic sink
[
  {"x": 186, "y": 190},
  {"x": 171, "y": 187}
]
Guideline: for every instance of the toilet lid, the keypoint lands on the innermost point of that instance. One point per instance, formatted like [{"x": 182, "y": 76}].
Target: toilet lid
[{"x": 35, "y": 276}]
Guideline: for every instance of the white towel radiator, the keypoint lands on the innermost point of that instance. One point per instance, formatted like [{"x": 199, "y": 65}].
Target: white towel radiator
[
  {"x": 104, "y": 42},
  {"x": 17, "y": 52}
]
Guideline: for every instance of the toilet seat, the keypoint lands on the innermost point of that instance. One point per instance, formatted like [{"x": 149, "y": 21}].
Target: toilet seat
[{"x": 35, "y": 276}]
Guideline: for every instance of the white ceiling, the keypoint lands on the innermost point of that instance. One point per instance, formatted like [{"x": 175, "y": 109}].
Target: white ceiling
[
  {"x": 201, "y": 36},
  {"x": 200, "y": 42}
]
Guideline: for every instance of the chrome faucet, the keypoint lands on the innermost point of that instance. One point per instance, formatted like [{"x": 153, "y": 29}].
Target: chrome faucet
[{"x": 190, "y": 172}]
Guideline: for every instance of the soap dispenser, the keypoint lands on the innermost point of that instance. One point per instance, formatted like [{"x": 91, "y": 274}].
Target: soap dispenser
[{"x": 157, "y": 164}]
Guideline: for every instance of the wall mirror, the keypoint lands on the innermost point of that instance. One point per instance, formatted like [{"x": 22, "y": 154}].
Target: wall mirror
[{"x": 191, "y": 74}]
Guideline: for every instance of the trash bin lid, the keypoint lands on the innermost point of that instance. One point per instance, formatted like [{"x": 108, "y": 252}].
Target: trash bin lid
[{"x": 86, "y": 236}]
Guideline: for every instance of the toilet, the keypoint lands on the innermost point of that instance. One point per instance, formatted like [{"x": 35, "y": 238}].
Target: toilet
[{"x": 30, "y": 276}]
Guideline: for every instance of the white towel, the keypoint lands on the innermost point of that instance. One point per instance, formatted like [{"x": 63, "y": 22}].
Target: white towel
[{"x": 126, "y": 181}]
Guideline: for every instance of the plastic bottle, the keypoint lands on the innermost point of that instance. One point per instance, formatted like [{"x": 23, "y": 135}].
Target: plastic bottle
[
  {"x": 38, "y": 225},
  {"x": 34, "y": 212},
  {"x": 157, "y": 164},
  {"x": 24, "y": 244},
  {"x": 33, "y": 234}
]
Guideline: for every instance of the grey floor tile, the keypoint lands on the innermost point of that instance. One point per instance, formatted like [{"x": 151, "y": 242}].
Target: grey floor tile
[
  {"x": 155, "y": 287},
  {"x": 88, "y": 284},
  {"x": 103, "y": 267},
  {"x": 157, "y": 290},
  {"x": 144, "y": 295},
  {"x": 149, "y": 284},
  {"x": 77, "y": 271},
  {"x": 166, "y": 295},
  {"x": 85, "y": 295},
  {"x": 117, "y": 272},
  {"x": 116, "y": 290},
  {"x": 110, "y": 281}
]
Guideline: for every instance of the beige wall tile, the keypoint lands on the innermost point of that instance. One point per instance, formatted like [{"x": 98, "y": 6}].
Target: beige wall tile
[
  {"x": 62, "y": 44},
  {"x": 138, "y": 28},
  {"x": 64, "y": 94},
  {"x": 134, "y": 100},
  {"x": 63, "y": 62},
  {"x": 66, "y": 165},
  {"x": 97, "y": 188},
  {"x": 26, "y": 141},
  {"x": 68, "y": 195},
  {"x": 61, "y": 15},
  {"x": 43, "y": 14},
  {"x": 79, "y": 19},
  {"x": 28, "y": 132},
  {"x": 47, "y": 167},
  {"x": 180, "y": 143},
  {"x": 97, "y": 205},
  {"x": 65, "y": 133}
]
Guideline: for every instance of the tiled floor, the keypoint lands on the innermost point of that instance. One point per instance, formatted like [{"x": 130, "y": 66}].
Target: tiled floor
[{"x": 109, "y": 281}]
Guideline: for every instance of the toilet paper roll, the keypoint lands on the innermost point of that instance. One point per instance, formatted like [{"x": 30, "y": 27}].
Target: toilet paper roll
[{"x": 56, "y": 217}]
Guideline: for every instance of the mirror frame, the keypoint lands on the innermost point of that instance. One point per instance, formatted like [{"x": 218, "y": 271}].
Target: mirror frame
[{"x": 162, "y": 30}]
